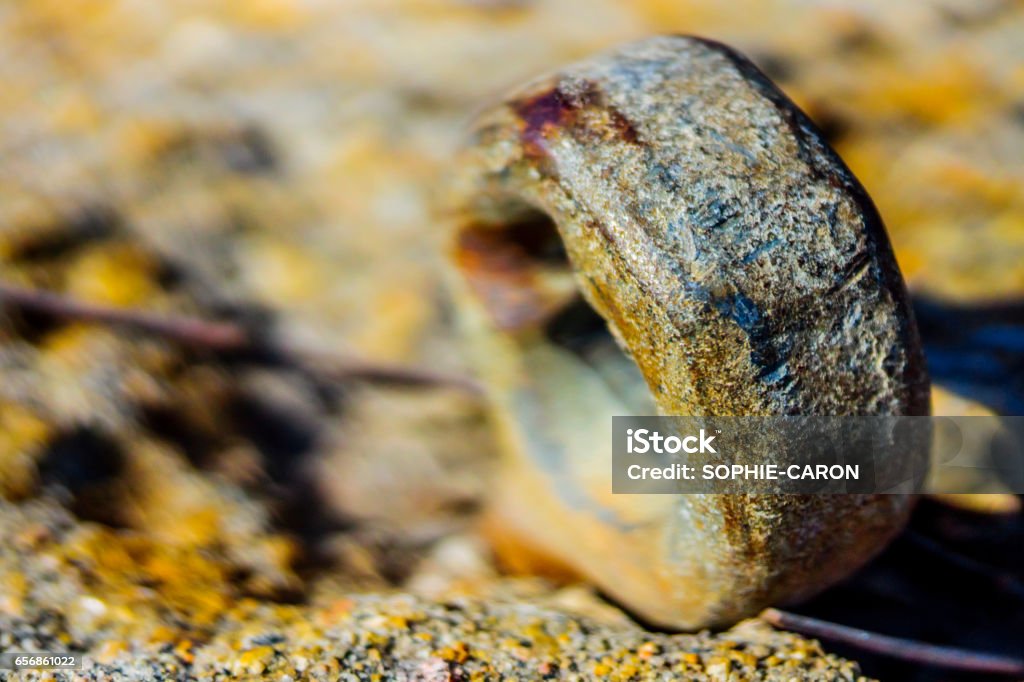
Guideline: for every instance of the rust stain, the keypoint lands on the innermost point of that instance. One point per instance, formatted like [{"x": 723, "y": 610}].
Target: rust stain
[
  {"x": 504, "y": 275},
  {"x": 581, "y": 111},
  {"x": 540, "y": 115}
]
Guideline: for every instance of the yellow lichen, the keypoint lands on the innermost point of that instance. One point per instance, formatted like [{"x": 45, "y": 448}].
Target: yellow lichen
[{"x": 115, "y": 275}]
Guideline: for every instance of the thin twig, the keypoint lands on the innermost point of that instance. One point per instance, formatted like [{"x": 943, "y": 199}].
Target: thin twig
[
  {"x": 999, "y": 580},
  {"x": 225, "y": 337},
  {"x": 905, "y": 649},
  {"x": 216, "y": 336},
  {"x": 380, "y": 372}
]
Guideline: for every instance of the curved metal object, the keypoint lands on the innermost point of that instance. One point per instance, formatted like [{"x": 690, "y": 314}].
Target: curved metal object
[{"x": 742, "y": 268}]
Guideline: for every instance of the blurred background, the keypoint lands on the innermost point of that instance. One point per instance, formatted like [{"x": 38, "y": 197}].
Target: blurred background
[{"x": 281, "y": 165}]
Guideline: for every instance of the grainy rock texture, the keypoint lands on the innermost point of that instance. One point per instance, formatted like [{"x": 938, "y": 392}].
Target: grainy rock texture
[{"x": 146, "y": 610}]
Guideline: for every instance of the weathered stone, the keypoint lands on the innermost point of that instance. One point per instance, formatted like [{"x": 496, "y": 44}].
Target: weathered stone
[{"x": 739, "y": 264}]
